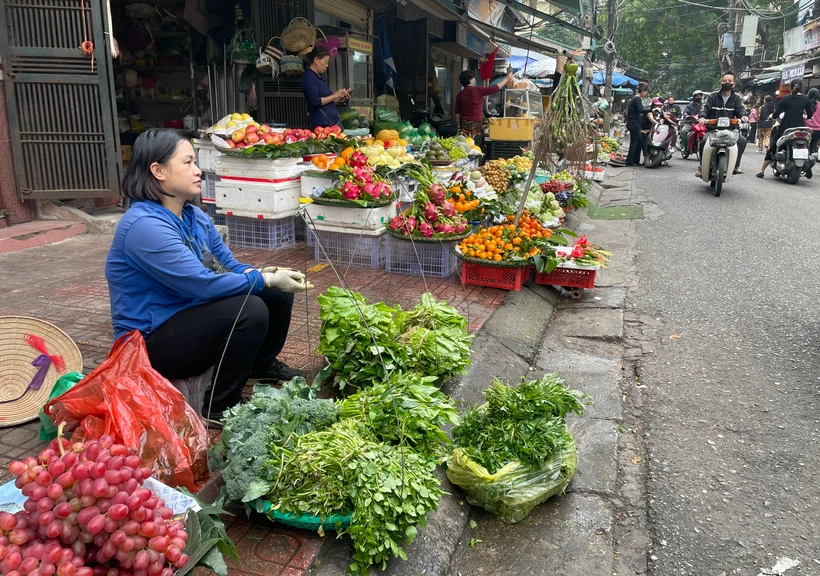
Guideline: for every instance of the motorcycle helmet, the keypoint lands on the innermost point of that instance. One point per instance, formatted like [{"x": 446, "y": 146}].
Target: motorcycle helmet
[
  {"x": 697, "y": 93},
  {"x": 657, "y": 102},
  {"x": 814, "y": 94}
]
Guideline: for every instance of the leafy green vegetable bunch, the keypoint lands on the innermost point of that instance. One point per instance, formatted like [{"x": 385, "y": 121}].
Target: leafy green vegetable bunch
[
  {"x": 409, "y": 409},
  {"x": 525, "y": 423},
  {"x": 344, "y": 468},
  {"x": 272, "y": 416},
  {"x": 359, "y": 338},
  {"x": 365, "y": 342}
]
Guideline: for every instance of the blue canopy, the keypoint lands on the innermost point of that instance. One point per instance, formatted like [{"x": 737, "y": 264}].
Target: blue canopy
[{"x": 617, "y": 79}]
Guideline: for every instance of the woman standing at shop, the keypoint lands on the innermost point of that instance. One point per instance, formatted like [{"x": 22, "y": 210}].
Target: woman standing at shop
[
  {"x": 765, "y": 123},
  {"x": 470, "y": 104},
  {"x": 634, "y": 117},
  {"x": 171, "y": 277},
  {"x": 321, "y": 100}
]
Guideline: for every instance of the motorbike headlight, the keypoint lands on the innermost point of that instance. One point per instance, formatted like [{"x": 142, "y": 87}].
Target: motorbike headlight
[{"x": 723, "y": 122}]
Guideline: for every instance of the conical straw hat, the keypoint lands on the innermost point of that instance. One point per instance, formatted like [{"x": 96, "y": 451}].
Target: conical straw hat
[{"x": 18, "y": 405}]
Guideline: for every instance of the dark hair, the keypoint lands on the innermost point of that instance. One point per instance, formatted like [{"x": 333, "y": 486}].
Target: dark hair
[
  {"x": 814, "y": 94},
  {"x": 730, "y": 73},
  {"x": 317, "y": 53},
  {"x": 466, "y": 77},
  {"x": 156, "y": 145},
  {"x": 642, "y": 87},
  {"x": 796, "y": 85},
  {"x": 768, "y": 98}
]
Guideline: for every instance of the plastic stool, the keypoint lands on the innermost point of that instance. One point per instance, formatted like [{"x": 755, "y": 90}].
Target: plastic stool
[{"x": 194, "y": 388}]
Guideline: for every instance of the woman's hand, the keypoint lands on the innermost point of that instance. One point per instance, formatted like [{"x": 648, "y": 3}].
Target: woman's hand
[
  {"x": 285, "y": 279},
  {"x": 341, "y": 94}
]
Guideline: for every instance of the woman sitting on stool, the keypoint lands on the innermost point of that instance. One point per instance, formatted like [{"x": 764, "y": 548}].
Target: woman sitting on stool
[{"x": 171, "y": 277}]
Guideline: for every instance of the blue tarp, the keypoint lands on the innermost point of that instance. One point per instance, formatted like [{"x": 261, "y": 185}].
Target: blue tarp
[{"x": 617, "y": 79}]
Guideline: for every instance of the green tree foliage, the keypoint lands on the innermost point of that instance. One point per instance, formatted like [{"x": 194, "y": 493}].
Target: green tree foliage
[{"x": 676, "y": 43}]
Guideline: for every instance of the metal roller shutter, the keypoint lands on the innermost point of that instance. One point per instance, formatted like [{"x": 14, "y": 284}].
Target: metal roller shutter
[{"x": 346, "y": 10}]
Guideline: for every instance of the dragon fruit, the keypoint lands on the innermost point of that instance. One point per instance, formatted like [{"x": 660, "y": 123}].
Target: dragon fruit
[
  {"x": 357, "y": 159},
  {"x": 426, "y": 230},
  {"x": 443, "y": 228},
  {"x": 371, "y": 190},
  {"x": 460, "y": 227},
  {"x": 397, "y": 222},
  {"x": 410, "y": 225},
  {"x": 350, "y": 190},
  {"x": 437, "y": 194},
  {"x": 447, "y": 209},
  {"x": 431, "y": 211},
  {"x": 382, "y": 189}
]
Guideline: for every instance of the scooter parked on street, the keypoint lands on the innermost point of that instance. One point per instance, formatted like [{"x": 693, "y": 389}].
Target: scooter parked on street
[
  {"x": 660, "y": 143},
  {"x": 720, "y": 152},
  {"x": 792, "y": 157},
  {"x": 690, "y": 140}
]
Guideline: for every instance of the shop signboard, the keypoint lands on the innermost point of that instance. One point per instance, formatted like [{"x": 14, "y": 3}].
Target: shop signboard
[
  {"x": 811, "y": 35},
  {"x": 470, "y": 41},
  {"x": 488, "y": 11},
  {"x": 793, "y": 72}
]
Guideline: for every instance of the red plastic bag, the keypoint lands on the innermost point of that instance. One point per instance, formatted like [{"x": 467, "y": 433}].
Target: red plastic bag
[{"x": 129, "y": 400}]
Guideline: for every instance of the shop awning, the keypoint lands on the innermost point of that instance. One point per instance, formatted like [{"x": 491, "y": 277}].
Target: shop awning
[
  {"x": 617, "y": 79},
  {"x": 494, "y": 34},
  {"x": 547, "y": 17}
]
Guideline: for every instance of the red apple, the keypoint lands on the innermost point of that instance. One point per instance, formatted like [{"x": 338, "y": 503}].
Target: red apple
[
  {"x": 264, "y": 129},
  {"x": 268, "y": 138},
  {"x": 251, "y": 138},
  {"x": 251, "y": 129},
  {"x": 231, "y": 144},
  {"x": 238, "y": 135}
]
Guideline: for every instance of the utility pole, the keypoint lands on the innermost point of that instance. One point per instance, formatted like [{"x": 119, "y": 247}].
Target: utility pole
[{"x": 609, "y": 48}]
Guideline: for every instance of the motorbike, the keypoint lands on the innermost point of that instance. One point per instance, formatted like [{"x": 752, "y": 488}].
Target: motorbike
[
  {"x": 745, "y": 129},
  {"x": 792, "y": 158},
  {"x": 660, "y": 143},
  {"x": 690, "y": 141},
  {"x": 720, "y": 152}
]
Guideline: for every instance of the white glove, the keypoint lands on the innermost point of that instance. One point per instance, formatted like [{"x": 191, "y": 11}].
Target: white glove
[{"x": 285, "y": 279}]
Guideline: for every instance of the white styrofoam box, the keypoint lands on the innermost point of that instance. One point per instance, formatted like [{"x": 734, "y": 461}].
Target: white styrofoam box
[
  {"x": 357, "y": 218},
  {"x": 256, "y": 214},
  {"x": 206, "y": 154},
  {"x": 444, "y": 173},
  {"x": 404, "y": 187},
  {"x": 598, "y": 176},
  {"x": 259, "y": 168},
  {"x": 310, "y": 182},
  {"x": 207, "y": 189},
  {"x": 254, "y": 195}
]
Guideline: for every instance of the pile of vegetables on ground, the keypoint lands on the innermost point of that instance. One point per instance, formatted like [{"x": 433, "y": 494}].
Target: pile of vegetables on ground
[{"x": 515, "y": 451}]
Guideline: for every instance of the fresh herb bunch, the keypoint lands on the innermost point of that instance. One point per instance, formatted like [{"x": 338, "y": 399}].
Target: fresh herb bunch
[
  {"x": 408, "y": 410},
  {"x": 344, "y": 468},
  {"x": 437, "y": 339},
  {"x": 272, "y": 416},
  {"x": 524, "y": 424},
  {"x": 430, "y": 339},
  {"x": 359, "y": 350}
]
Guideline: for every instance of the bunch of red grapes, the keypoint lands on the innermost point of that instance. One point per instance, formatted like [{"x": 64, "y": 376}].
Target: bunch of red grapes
[
  {"x": 555, "y": 186},
  {"x": 87, "y": 514}
]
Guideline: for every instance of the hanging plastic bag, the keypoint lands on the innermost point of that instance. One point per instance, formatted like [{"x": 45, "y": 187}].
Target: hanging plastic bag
[
  {"x": 126, "y": 398},
  {"x": 48, "y": 431},
  {"x": 513, "y": 491}
]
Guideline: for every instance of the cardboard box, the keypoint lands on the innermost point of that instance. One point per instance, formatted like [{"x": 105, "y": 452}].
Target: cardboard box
[{"x": 519, "y": 129}]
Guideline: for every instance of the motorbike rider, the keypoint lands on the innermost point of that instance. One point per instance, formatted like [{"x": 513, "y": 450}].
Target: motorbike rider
[
  {"x": 792, "y": 106},
  {"x": 671, "y": 108},
  {"x": 724, "y": 104},
  {"x": 814, "y": 121},
  {"x": 690, "y": 113}
]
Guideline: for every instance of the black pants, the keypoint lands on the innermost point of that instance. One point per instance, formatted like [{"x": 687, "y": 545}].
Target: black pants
[
  {"x": 637, "y": 144},
  {"x": 193, "y": 340},
  {"x": 741, "y": 147},
  {"x": 752, "y": 131},
  {"x": 815, "y": 138}
]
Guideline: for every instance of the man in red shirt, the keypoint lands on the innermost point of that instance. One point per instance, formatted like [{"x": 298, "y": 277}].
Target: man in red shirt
[{"x": 470, "y": 104}]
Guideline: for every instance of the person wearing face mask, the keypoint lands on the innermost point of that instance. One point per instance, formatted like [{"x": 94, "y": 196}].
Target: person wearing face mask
[
  {"x": 724, "y": 104},
  {"x": 671, "y": 108},
  {"x": 321, "y": 100},
  {"x": 791, "y": 110},
  {"x": 171, "y": 277},
  {"x": 690, "y": 113},
  {"x": 634, "y": 118}
]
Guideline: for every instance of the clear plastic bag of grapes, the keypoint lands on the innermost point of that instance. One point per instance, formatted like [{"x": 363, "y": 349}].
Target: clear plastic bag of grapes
[{"x": 126, "y": 398}]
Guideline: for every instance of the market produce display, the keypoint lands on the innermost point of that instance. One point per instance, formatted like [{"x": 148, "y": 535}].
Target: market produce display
[
  {"x": 495, "y": 172},
  {"x": 357, "y": 183},
  {"x": 544, "y": 206},
  {"x": 87, "y": 513},
  {"x": 508, "y": 243},
  {"x": 393, "y": 156},
  {"x": 460, "y": 193},
  {"x": 387, "y": 489},
  {"x": 273, "y": 416},
  {"x": 609, "y": 145},
  {"x": 365, "y": 342},
  {"x": 585, "y": 254},
  {"x": 431, "y": 216},
  {"x": 515, "y": 451}
]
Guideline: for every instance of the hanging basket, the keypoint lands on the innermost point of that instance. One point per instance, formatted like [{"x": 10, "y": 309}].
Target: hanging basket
[
  {"x": 299, "y": 36},
  {"x": 264, "y": 63},
  {"x": 243, "y": 47},
  {"x": 292, "y": 64},
  {"x": 272, "y": 51}
]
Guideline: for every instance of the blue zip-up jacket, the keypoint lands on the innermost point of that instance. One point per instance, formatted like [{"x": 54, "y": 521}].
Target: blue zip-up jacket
[{"x": 153, "y": 274}]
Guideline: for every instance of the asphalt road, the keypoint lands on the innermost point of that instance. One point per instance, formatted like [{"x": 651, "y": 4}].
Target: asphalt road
[{"x": 732, "y": 411}]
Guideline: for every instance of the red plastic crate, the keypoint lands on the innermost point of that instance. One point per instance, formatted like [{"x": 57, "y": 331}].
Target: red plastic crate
[
  {"x": 493, "y": 276},
  {"x": 568, "y": 277}
]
